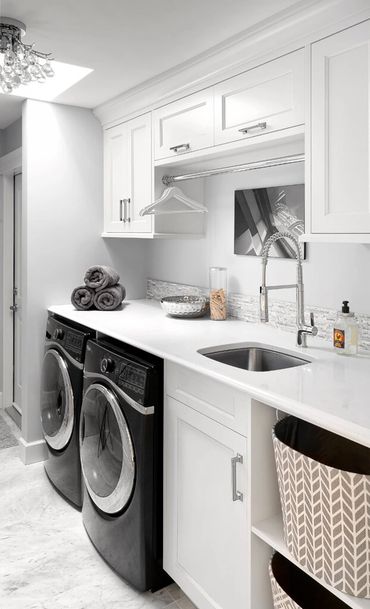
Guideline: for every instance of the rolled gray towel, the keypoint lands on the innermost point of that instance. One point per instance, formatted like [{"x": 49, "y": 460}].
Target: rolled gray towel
[
  {"x": 83, "y": 298},
  {"x": 110, "y": 298},
  {"x": 99, "y": 277}
]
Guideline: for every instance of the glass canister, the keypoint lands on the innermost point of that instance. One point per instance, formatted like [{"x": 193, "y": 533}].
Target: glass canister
[{"x": 218, "y": 292}]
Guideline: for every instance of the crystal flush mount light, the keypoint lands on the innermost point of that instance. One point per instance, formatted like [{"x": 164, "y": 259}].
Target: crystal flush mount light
[{"x": 20, "y": 63}]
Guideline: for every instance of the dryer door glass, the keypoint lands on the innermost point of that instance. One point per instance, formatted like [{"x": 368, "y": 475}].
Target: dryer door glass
[
  {"x": 106, "y": 449},
  {"x": 57, "y": 404}
]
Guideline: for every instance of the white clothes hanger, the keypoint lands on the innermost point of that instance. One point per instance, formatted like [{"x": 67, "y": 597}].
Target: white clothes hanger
[{"x": 174, "y": 193}]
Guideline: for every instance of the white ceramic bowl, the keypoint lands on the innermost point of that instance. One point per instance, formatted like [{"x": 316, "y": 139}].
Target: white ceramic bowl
[{"x": 185, "y": 306}]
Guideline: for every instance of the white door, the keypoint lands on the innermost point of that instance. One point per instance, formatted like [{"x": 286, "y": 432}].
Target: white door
[
  {"x": 17, "y": 295},
  {"x": 184, "y": 125},
  {"x": 139, "y": 159},
  {"x": 262, "y": 100},
  {"x": 205, "y": 527},
  {"x": 340, "y": 112},
  {"x": 116, "y": 178}
]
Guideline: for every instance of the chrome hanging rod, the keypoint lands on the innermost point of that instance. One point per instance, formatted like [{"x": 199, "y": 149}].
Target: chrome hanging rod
[{"x": 276, "y": 162}]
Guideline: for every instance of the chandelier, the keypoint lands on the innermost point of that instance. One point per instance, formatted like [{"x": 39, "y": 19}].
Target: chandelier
[{"x": 20, "y": 63}]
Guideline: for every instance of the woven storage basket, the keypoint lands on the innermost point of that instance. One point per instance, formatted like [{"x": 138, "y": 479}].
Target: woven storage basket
[
  {"x": 290, "y": 586},
  {"x": 326, "y": 509}
]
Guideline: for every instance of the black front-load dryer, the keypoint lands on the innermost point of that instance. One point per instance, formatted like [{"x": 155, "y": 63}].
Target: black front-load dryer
[
  {"x": 121, "y": 459},
  {"x": 61, "y": 397}
]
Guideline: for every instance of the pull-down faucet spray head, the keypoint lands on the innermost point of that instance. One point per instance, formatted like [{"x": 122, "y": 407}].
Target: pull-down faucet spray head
[{"x": 302, "y": 328}]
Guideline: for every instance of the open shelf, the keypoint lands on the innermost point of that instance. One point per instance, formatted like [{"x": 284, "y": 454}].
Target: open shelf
[{"x": 271, "y": 532}]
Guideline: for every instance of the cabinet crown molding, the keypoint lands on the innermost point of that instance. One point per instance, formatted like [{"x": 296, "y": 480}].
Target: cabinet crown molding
[{"x": 282, "y": 33}]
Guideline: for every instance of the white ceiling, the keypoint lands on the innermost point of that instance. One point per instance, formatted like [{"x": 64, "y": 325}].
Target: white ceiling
[{"x": 129, "y": 41}]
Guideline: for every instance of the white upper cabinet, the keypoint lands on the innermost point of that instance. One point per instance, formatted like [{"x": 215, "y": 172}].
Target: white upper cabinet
[
  {"x": 184, "y": 125},
  {"x": 262, "y": 100},
  {"x": 340, "y": 107},
  {"x": 115, "y": 177},
  {"x": 128, "y": 176}
]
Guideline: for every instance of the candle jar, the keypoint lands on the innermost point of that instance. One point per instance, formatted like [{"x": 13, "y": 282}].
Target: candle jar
[{"x": 218, "y": 292}]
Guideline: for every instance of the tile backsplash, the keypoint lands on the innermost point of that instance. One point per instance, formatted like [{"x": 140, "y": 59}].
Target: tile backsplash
[{"x": 246, "y": 308}]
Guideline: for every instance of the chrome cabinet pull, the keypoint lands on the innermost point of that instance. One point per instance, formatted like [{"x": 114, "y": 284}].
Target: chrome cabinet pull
[
  {"x": 261, "y": 126},
  {"x": 124, "y": 201},
  {"x": 180, "y": 147},
  {"x": 237, "y": 495},
  {"x": 128, "y": 201},
  {"x": 120, "y": 210}
]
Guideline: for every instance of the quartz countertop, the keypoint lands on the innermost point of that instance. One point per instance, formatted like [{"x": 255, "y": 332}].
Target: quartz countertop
[{"x": 332, "y": 391}]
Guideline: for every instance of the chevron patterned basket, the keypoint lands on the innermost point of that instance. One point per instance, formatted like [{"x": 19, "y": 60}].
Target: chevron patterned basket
[
  {"x": 326, "y": 509},
  {"x": 290, "y": 586}
]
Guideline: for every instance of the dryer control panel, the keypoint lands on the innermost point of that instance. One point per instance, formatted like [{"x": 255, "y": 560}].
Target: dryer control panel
[{"x": 134, "y": 376}]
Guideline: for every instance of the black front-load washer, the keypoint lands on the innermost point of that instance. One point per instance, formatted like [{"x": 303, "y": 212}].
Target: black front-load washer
[
  {"x": 121, "y": 458},
  {"x": 61, "y": 397}
]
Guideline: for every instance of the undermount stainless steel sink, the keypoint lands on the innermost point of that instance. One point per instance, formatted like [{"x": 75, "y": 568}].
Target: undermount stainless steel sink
[{"x": 254, "y": 357}]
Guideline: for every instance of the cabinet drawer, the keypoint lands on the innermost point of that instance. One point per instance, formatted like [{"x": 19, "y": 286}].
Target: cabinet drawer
[
  {"x": 261, "y": 100},
  {"x": 184, "y": 126},
  {"x": 218, "y": 401}
]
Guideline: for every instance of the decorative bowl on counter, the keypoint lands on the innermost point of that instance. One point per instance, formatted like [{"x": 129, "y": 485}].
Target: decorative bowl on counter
[{"x": 185, "y": 306}]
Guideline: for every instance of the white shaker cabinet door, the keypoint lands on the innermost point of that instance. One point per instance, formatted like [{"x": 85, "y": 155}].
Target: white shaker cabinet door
[
  {"x": 128, "y": 176},
  {"x": 205, "y": 528},
  {"x": 262, "y": 100},
  {"x": 340, "y": 161},
  {"x": 116, "y": 183},
  {"x": 139, "y": 133},
  {"x": 184, "y": 125}
]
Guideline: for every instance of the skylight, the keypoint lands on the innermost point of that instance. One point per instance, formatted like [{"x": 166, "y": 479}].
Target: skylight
[{"x": 66, "y": 75}]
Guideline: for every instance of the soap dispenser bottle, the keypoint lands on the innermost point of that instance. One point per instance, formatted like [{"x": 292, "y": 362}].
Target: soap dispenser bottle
[{"x": 345, "y": 333}]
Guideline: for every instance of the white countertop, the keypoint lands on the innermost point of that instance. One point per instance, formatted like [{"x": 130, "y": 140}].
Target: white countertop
[{"x": 332, "y": 391}]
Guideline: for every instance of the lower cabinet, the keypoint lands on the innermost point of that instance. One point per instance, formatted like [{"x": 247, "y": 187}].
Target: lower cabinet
[{"x": 206, "y": 541}]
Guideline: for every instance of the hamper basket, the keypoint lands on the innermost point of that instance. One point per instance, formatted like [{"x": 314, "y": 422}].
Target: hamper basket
[
  {"x": 324, "y": 484},
  {"x": 293, "y": 589}
]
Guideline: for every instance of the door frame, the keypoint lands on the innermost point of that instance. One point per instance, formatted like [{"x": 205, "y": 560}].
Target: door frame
[{"x": 10, "y": 165}]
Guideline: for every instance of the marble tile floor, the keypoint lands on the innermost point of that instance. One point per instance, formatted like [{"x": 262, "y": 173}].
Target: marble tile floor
[{"x": 46, "y": 559}]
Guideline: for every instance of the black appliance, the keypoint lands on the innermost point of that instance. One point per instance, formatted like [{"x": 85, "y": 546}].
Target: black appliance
[
  {"x": 61, "y": 398},
  {"x": 121, "y": 442}
]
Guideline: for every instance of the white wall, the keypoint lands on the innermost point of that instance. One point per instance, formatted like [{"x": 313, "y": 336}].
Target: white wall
[
  {"x": 332, "y": 272},
  {"x": 62, "y": 185},
  {"x": 11, "y": 137}
]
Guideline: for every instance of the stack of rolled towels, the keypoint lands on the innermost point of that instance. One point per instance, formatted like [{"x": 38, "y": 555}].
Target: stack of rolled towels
[{"x": 101, "y": 291}]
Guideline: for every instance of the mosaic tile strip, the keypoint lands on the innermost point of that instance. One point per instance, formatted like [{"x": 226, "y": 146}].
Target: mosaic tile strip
[{"x": 246, "y": 308}]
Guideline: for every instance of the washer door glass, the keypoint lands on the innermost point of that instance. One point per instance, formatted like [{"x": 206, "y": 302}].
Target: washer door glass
[
  {"x": 57, "y": 403},
  {"x": 106, "y": 449}
]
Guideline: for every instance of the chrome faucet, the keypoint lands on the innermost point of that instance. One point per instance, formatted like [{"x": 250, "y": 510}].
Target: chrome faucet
[{"x": 302, "y": 328}]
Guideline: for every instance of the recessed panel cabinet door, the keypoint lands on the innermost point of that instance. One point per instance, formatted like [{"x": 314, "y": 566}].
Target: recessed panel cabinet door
[
  {"x": 116, "y": 183},
  {"x": 262, "y": 100},
  {"x": 128, "y": 176},
  {"x": 205, "y": 529},
  {"x": 184, "y": 125},
  {"x": 139, "y": 133},
  {"x": 340, "y": 161}
]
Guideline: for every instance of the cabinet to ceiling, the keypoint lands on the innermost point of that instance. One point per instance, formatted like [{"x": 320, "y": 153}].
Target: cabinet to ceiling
[
  {"x": 319, "y": 93},
  {"x": 339, "y": 160}
]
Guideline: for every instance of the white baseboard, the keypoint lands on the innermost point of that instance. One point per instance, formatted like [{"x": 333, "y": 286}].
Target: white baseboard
[{"x": 32, "y": 452}]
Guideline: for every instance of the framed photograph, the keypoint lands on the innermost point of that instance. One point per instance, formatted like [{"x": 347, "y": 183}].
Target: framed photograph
[{"x": 261, "y": 212}]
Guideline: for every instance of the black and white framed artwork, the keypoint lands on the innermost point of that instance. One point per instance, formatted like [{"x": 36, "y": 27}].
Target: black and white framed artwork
[{"x": 261, "y": 212}]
